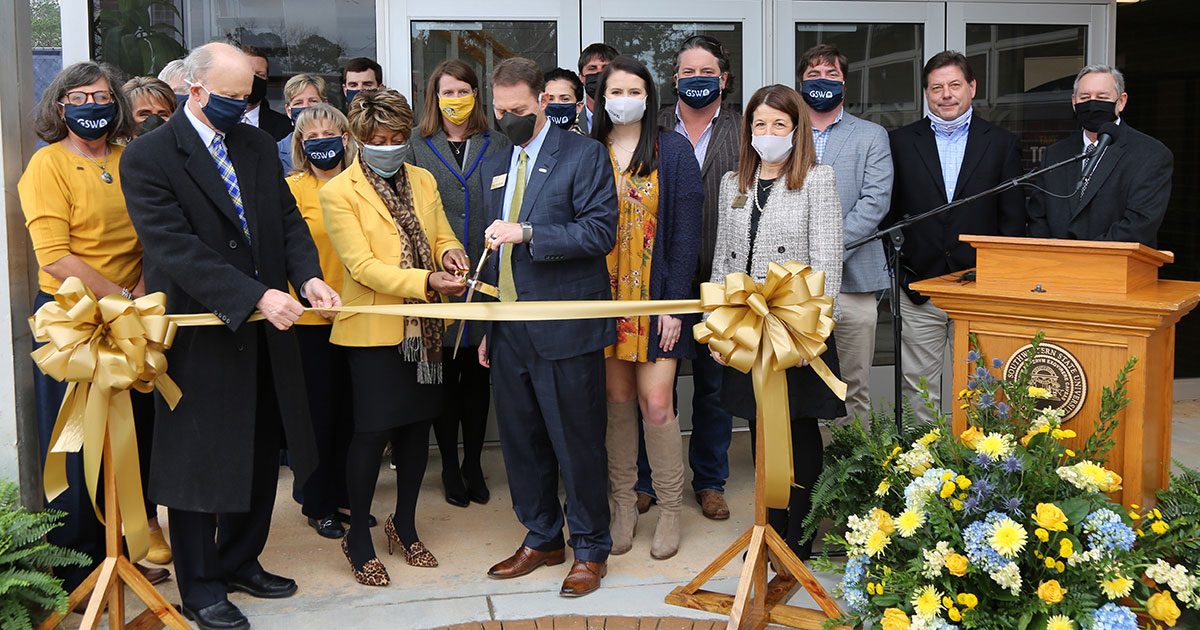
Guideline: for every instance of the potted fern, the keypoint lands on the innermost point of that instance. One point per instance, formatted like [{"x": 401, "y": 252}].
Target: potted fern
[{"x": 27, "y": 588}]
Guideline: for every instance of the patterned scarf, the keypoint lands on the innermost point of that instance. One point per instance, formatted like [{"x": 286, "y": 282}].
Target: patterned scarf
[{"x": 422, "y": 336}]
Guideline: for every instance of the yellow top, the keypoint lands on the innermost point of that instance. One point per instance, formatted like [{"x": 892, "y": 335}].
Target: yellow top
[
  {"x": 69, "y": 209},
  {"x": 306, "y": 188},
  {"x": 629, "y": 261},
  {"x": 366, "y": 238}
]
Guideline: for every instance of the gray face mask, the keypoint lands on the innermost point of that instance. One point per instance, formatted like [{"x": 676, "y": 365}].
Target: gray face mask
[{"x": 384, "y": 159}]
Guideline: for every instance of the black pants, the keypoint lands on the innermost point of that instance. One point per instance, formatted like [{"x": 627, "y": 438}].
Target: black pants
[
  {"x": 808, "y": 453},
  {"x": 466, "y": 402},
  {"x": 552, "y": 421},
  {"x": 210, "y": 548},
  {"x": 410, "y": 453},
  {"x": 327, "y": 380}
]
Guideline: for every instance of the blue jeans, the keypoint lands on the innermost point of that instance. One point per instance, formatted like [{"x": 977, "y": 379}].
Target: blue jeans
[{"x": 712, "y": 431}]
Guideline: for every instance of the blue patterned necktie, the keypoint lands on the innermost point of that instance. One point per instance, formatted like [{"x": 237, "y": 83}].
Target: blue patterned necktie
[{"x": 225, "y": 168}]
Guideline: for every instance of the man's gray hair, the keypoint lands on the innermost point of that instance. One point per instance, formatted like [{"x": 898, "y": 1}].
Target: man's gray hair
[
  {"x": 1118, "y": 78},
  {"x": 202, "y": 59},
  {"x": 173, "y": 70}
]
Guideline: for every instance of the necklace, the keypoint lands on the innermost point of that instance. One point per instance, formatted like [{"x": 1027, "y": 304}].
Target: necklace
[
  {"x": 621, "y": 146},
  {"x": 457, "y": 146},
  {"x": 105, "y": 176},
  {"x": 757, "y": 185}
]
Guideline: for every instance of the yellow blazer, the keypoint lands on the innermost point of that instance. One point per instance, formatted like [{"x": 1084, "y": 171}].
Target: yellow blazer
[{"x": 366, "y": 238}]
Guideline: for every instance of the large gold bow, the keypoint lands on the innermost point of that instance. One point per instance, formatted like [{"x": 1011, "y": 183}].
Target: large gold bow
[
  {"x": 766, "y": 329},
  {"x": 102, "y": 349}
]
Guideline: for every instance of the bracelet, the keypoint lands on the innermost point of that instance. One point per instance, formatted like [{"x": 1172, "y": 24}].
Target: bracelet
[
  {"x": 126, "y": 293},
  {"x": 526, "y": 232}
]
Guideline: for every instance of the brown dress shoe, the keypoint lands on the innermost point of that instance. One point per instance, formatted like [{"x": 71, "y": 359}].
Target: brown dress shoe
[
  {"x": 154, "y": 575},
  {"x": 524, "y": 561},
  {"x": 644, "y": 502},
  {"x": 584, "y": 578},
  {"x": 712, "y": 503}
]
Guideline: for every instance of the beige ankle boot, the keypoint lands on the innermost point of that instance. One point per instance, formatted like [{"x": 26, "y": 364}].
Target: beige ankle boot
[
  {"x": 664, "y": 449},
  {"x": 621, "y": 442}
]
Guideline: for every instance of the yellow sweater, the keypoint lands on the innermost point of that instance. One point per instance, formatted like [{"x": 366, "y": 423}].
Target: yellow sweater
[
  {"x": 70, "y": 210},
  {"x": 306, "y": 188}
]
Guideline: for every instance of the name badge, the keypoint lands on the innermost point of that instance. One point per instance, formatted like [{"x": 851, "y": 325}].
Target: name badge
[
  {"x": 498, "y": 181},
  {"x": 739, "y": 201}
]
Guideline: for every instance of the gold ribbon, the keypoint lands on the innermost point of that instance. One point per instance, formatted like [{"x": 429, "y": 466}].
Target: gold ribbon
[
  {"x": 766, "y": 329},
  {"x": 102, "y": 349}
]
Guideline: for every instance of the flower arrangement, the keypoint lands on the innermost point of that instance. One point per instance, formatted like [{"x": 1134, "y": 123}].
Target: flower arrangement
[{"x": 1003, "y": 525}]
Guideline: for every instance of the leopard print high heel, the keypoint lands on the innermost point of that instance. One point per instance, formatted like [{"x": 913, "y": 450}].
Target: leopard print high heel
[
  {"x": 372, "y": 573},
  {"x": 416, "y": 554}
]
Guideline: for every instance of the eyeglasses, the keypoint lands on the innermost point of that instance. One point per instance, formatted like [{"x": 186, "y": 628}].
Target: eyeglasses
[{"x": 99, "y": 97}]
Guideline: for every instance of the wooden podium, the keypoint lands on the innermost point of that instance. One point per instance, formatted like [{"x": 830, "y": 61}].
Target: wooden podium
[{"x": 1099, "y": 303}]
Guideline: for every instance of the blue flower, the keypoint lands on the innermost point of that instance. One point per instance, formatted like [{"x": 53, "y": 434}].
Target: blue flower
[
  {"x": 852, "y": 583},
  {"x": 1013, "y": 505},
  {"x": 971, "y": 384},
  {"x": 1002, "y": 409},
  {"x": 996, "y": 363},
  {"x": 1012, "y": 465},
  {"x": 971, "y": 505},
  {"x": 981, "y": 372},
  {"x": 1112, "y": 617},
  {"x": 1106, "y": 532},
  {"x": 972, "y": 356},
  {"x": 983, "y": 460},
  {"x": 982, "y": 487},
  {"x": 986, "y": 401}
]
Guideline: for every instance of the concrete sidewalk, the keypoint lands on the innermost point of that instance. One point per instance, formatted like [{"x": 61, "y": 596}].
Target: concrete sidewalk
[{"x": 467, "y": 541}]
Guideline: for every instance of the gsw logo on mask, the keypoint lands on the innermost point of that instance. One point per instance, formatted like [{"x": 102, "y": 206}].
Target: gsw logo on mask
[
  {"x": 820, "y": 94},
  {"x": 322, "y": 155},
  {"x": 697, "y": 93},
  {"x": 92, "y": 124}
]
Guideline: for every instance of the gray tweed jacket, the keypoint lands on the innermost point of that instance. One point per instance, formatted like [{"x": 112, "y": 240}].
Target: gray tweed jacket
[
  {"x": 861, "y": 155},
  {"x": 804, "y": 225}
]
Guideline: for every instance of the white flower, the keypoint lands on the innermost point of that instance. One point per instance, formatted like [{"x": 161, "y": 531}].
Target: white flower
[
  {"x": 916, "y": 460},
  {"x": 935, "y": 559},
  {"x": 1078, "y": 558},
  {"x": 1009, "y": 577},
  {"x": 919, "y": 490},
  {"x": 1177, "y": 578}
]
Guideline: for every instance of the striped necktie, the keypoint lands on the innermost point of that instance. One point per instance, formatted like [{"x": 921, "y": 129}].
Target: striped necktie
[
  {"x": 508, "y": 286},
  {"x": 225, "y": 168}
]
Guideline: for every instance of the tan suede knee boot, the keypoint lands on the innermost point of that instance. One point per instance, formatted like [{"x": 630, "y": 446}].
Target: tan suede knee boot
[
  {"x": 622, "y": 445},
  {"x": 664, "y": 449}
]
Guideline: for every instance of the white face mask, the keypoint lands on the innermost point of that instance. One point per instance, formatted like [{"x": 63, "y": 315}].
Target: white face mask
[
  {"x": 625, "y": 109},
  {"x": 384, "y": 159},
  {"x": 772, "y": 148}
]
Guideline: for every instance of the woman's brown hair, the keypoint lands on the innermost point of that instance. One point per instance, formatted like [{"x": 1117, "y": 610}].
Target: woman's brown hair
[
  {"x": 803, "y": 156},
  {"x": 431, "y": 114},
  {"x": 379, "y": 108},
  {"x": 152, "y": 87},
  {"x": 48, "y": 121}
]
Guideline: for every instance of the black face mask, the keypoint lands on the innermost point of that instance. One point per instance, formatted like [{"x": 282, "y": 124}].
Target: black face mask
[
  {"x": 1092, "y": 115},
  {"x": 590, "y": 83},
  {"x": 257, "y": 91},
  {"x": 519, "y": 129},
  {"x": 152, "y": 122}
]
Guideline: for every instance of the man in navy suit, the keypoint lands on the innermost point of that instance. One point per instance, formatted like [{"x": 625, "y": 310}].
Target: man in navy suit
[{"x": 554, "y": 202}]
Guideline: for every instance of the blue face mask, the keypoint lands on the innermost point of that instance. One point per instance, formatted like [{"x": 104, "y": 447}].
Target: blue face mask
[
  {"x": 698, "y": 92},
  {"x": 561, "y": 114},
  {"x": 296, "y": 111},
  {"x": 89, "y": 121},
  {"x": 350, "y": 94},
  {"x": 325, "y": 153},
  {"x": 223, "y": 112},
  {"x": 823, "y": 95}
]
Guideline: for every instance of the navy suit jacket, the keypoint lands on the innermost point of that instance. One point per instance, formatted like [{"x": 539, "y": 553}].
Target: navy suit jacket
[{"x": 571, "y": 202}]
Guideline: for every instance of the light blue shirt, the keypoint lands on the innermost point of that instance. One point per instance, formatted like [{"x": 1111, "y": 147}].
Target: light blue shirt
[
  {"x": 589, "y": 114},
  {"x": 701, "y": 146},
  {"x": 951, "y": 149},
  {"x": 821, "y": 138},
  {"x": 532, "y": 150}
]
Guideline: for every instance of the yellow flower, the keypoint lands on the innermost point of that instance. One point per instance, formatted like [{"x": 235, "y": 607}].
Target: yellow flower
[
  {"x": 1059, "y": 566},
  {"x": 947, "y": 490},
  {"x": 1037, "y": 554},
  {"x": 927, "y": 602},
  {"x": 1163, "y": 608},
  {"x": 1051, "y": 517},
  {"x": 896, "y": 450},
  {"x": 1060, "y": 622},
  {"x": 871, "y": 588},
  {"x": 877, "y": 543},
  {"x": 884, "y": 486},
  {"x": 1157, "y": 514},
  {"x": 1134, "y": 515},
  {"x": 1117, "y": 587},
  {"x": 966, "y": 393},
  {"x": 909, "y": 522},
  {"x": 1038, "y": 392},
  {"x": 1160, "y": 527},
  {"x": 971, "y": 437},
  {"x": 968, "y": 600},
  {"x": 930, "y": 438},
  {"x": 1056, "y": 434},
  {"x": 956, "y": 564},
  {"x": 883, "y": 520},
  {"x": 1067, "y": 434},
  {"x": 1050, "y": 562},
  {"x": 1051, "y": 591},
  {"x": 954, "y": 614},
  {"x": 1041, "y": 534},
  {"x": 947, "y": 476},
  {"x": 1070, "y": 453},
  {"x": 894, "y": 619},
  {"x": 947, "y": 602},
  {"x": 1007, "y": 538},
  {"x": 956, "y": 504},
  {"x": 1066, "y": 548},
  {"x": 994, "y": 445},
  {"x": 963, "y": 482}
]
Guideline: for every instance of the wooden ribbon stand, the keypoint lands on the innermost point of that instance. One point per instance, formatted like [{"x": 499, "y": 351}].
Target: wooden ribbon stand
[
  {"x": 105, "y": 587},
  {"x": 759, "y": 602}
]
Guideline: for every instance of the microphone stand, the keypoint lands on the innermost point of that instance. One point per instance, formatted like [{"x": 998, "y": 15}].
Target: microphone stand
[{"x": 893, "y": 235}]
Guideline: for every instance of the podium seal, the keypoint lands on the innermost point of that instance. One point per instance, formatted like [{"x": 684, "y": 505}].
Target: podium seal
[{"x": 1057, "y": 371}]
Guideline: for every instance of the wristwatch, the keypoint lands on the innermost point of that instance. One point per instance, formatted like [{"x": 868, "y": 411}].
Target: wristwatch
[
  {"x": 126, "y": 293},
  {"x": 526, "y": 232}
]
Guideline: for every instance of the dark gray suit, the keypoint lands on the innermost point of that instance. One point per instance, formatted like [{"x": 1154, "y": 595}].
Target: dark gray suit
[
  {"x": 1124, "y": 201},
  {"x": 549, "y": 376}
]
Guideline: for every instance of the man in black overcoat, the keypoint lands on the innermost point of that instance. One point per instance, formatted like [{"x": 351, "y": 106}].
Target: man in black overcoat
[{"x": 222, "y": 235}]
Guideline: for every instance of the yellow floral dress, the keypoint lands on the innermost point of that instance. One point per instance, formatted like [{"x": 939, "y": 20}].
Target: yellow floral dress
[{"x": 629, "y": 261}]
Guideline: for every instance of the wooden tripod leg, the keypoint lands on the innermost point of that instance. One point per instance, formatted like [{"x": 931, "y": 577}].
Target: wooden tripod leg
[
  {"x": 105, "y": 583},
  {"x": 150, "y": 596},
  {"x": 747, "y": 604},
  {"x": 78, "y": 595},
  {"x": 802, "y": 575}
]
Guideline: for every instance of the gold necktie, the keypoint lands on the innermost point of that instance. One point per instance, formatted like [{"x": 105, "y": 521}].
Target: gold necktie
[{"x": 508, "y": 288}]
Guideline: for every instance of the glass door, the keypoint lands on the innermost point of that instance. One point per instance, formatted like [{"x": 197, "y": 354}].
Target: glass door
[{"x": 1025, "y": 58}]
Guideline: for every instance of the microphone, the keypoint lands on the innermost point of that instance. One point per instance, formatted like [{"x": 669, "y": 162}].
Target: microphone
[{"x": 1108, "y": 133}]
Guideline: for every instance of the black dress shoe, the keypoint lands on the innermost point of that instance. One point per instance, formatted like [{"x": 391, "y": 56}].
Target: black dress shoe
[
  {"x": 222, "y": 615},
  {"x": 264, "y": 585},
  {"x": 328, "y": 527},
  {"x": 477, "y": 488},
  {"x": 345, "y": 518},
  {"x": 456, "y": 491}
]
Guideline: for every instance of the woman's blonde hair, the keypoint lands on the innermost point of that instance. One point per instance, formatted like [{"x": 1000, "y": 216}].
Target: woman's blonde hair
[
  {"x": 381, "y": 108},
  {"x": 298, "y": 83},
  {"x": 138, "y": 87},
  {"x": 311, "y": 115}
]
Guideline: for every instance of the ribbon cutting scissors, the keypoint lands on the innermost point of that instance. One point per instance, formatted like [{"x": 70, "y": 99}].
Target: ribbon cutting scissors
[{"x": 472, "y": 282}]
